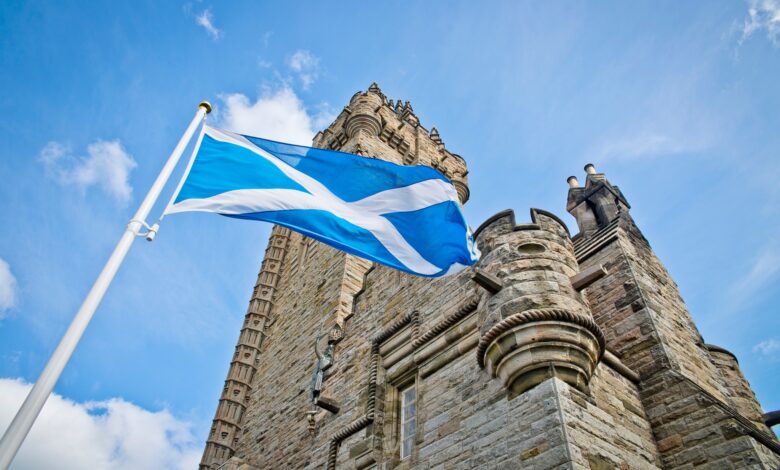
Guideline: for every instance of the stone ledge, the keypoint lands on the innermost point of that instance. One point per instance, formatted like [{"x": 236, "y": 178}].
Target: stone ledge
[
  {"x": 528, "y": 348},
  {"x": 718, "y": 349}
]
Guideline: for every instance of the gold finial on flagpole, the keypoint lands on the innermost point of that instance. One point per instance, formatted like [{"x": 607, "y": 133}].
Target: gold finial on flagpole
[{"x": 205, "y": 105}]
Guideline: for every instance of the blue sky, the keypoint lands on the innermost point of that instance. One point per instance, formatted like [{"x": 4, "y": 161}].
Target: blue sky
[{"x": 676, "y": 102}]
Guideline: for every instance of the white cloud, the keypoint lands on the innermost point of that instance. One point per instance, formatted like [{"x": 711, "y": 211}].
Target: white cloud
[
  {"x": 752, "y": 278},
  {"x": 106, "y": 165},
  {"x": 675, "y": 118},
  {"x": 763, "y": 15},
  {"x": 765, "y": 267},
  {"x": 306, "y": 65},
  {"x": 277, "y": 115},
  {"x": 7, "y": 288},
  {"x": 206, "y": 20},
  {"x": 112, "y": 434},
  {"x": 768, "y": 347},
  {"x": 642, "y": 145}
]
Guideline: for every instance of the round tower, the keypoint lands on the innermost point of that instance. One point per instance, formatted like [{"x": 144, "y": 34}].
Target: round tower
[
  {"x": 363, "y": 116},
  {"x": 738, "y": 390},
  {"x": 537, "y": 326}
]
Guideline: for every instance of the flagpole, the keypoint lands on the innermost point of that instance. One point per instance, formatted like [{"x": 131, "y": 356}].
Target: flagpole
[{"x": 25, "y": 417}]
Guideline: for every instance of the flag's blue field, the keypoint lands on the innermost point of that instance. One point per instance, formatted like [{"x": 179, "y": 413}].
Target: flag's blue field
[{"x": 405, "y": 217}]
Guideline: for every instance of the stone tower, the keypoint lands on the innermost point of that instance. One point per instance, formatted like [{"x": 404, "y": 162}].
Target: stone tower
[{"x": 552, "y": 352}]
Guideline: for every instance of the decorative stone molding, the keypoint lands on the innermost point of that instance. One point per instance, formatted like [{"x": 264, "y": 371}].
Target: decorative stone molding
[
  {"x": 537, "y": 326},
  {"x": 526, "y": 349},
  {"x": 462, "y": 187},
  {"x": 363, "y": 122},
  {"x": 418, "y": 340},
  {"x": 362, "y": 116}
]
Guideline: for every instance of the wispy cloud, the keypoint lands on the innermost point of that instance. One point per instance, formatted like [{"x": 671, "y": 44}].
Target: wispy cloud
[
  {"x": 206, "y": 20},
  {"x": 768, "y": 347},
  {"x": 644, "y": 144},
  {"x": 763, "y": 15},
  {"x": 323, "y": 117},
  {"x": 7, "y": 288},
  {"x": 106, "y": 165},
  {"x": 764, "y": 269},
  {"x": 276, "y": 114},
  {"x": 306, "y": 65},
  {"x": 111, "y": 434},
  {"x": 674, "y": 118},
  {"x": 267, "y": 38}
]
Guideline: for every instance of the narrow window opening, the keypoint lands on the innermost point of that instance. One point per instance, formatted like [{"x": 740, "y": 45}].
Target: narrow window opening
[{"x": 408, "y": 420}]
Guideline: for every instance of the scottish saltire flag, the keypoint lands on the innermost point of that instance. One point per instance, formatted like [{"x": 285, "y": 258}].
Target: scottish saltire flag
[{"x": 405, "y": 217}]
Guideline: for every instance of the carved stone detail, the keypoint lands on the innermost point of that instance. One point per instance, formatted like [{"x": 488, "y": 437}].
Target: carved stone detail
[
  {"x": 363, "y": 122},
  {"x": 526, "y": 349}
]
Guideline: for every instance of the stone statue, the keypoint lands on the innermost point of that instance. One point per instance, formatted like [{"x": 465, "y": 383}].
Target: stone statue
[{"x": 324, "y": 361}]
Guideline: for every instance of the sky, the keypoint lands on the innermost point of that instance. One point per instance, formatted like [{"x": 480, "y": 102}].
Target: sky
[{"x": 677, "y": 102}]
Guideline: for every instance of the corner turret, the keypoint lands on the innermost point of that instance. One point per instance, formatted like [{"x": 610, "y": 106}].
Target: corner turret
[
  {"x": 538, "y": 325},
  {"x": 374, "y": 126},
  {"x": 597, "y": 204}
]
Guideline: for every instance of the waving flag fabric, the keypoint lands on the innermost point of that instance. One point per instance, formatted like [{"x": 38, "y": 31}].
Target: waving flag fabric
[{"x": 405, "y": 217}]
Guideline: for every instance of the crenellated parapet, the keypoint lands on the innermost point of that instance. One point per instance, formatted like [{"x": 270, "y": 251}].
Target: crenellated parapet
[
  {"x": 537, "y": 326},
  {"x": 553, "y": 351},
  {"x": 401, "y": 138}
]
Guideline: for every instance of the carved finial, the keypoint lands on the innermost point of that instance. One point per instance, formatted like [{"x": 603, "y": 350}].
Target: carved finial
[
  {"x": 435, "y": 135},
  {"x": 399, "y": 106},
  {"x": 310, "y": 417},
  {"x": 336, "y": 334},
  {"x": 408, "y": 107},
  {"x": 391, "y": 104},
  {"x": 374, "y": 88}
]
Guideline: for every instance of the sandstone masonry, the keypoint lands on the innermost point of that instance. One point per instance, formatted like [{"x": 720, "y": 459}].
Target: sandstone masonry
[{"x": 554, "y": 351}]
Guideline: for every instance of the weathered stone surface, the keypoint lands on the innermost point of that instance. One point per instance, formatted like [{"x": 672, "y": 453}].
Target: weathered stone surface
[
  {"x": 666, "y": 400},
  {"x": 738, "y": 390},
  {"x": 689, "y": 392}
]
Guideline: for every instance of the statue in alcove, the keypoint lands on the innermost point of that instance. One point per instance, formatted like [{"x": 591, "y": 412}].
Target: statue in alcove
[{"x": 324, "y": 362}]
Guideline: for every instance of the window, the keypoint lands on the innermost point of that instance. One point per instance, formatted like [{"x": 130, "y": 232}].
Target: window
[{"x": 408, "y": 420}]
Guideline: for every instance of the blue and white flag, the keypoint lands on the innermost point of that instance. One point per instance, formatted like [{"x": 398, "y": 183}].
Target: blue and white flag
[{"x": 405, "y": 217}]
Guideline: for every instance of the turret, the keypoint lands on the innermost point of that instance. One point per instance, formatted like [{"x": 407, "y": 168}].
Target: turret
[
  {"x": 738, "y": 391},
  {"x": 684, "y": 384},
  {"x": 537, "y": 326},
  {"x": 362, "y": 117},
  {"x": 376, "y": 127},
  {"x": 597, "y": 204}
]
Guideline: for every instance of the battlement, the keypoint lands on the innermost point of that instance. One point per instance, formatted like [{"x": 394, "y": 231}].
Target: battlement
[
  {"x": 401, "y": 139},
  {"x": 553, "y": 351}
]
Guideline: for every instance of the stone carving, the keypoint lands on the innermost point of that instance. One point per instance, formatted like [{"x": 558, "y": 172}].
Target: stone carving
[
  {"x": 324, "y": 362},
  {"x": 528, "y": 348},
  {"x": 657, "y": 399}
]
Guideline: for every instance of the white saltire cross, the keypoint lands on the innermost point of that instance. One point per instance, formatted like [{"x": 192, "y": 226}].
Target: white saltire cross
[{"x": 365, "y": 213}]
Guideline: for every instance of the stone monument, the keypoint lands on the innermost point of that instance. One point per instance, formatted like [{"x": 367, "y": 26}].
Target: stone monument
[{"x": 554, "y": 351}]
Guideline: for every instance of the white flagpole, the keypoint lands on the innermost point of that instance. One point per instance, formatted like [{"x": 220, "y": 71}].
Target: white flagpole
[{"x": 25, "y": 417}]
